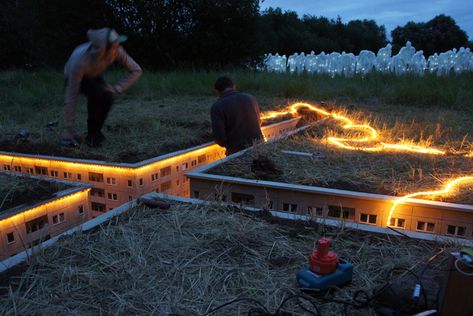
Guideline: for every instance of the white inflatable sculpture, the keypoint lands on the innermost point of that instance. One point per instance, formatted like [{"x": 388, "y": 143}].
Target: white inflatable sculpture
[
  {"x": 383, "y": 59},
  {"x": 406, "y": 61}
]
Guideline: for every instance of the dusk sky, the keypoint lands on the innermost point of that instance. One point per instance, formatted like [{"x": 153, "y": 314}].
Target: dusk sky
[{"x": 389, "y": 13}]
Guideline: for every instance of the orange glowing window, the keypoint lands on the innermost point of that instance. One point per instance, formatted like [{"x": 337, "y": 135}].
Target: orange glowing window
[
  {"x": 288, "y": 207},
  {"x": 165, "y": 186},
  {"x": 242, "y": 198},
  {"x": 36, "y": 224},
  {"x": 98, "y": 207},
  {"x": 97, "y": 192},
  {"x": 41, "y": 170},
  {"x": 318, "y": 210},
  {"x": 456, "y": 230},
  {"x": 58, "y": 218},
  {"x": 368, "y": 218},
  {"x": 341, "y": 212},
  {"x": 10, "y": 238},
  {"x": 201, "y": 158},
  {"x": 166, "y": 171},
  {"x": 425, "y": 227},
  {"x": 397, "y": 222},
  {"x": 95, "y": 177}
]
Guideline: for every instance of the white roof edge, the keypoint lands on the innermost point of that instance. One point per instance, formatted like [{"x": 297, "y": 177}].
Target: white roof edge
[
  {"x": 331, "y": 222},
  {"x": 5, "y": 214}
]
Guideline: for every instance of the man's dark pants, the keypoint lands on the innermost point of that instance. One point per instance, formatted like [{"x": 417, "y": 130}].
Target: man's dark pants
[{"x": 99, "y": 103}]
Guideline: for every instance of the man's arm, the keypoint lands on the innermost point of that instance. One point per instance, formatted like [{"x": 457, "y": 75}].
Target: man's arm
[
  {"x": 134, "y": 71},
  {"x": 218, "y": 126}
]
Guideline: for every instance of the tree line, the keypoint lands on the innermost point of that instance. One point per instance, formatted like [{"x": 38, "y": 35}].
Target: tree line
[{"x": 170, "y": 34}]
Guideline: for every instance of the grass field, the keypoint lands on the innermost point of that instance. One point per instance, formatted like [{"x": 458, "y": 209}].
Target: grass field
[
  {"x": 168, "y": 111},
  {"x": 191, "y": 259}
]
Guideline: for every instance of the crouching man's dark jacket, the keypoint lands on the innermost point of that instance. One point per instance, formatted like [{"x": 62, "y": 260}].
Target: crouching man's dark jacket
[{"x": 236, "y": 121}]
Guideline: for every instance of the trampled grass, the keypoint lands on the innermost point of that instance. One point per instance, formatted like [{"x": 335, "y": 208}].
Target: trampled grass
[{"x": 166, "y": 111}]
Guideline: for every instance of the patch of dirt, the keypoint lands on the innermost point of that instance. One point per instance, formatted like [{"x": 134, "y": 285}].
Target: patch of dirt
[
  {"x": 265, "y": 168},
  {"x": 84, "y": 152},
  {"x": 48, "y": 149}
]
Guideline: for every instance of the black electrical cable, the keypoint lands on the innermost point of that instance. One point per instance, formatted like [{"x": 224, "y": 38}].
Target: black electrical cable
[
  {"x": 356, "y": 302},
  {"x": 263, "y": 308},
  {"x": 298, "y": 296}
]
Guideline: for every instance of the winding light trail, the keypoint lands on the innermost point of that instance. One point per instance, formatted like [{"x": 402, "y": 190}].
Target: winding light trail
[
  {"x": 447, "y": 188},
  {"x": 372, "y": 135}
]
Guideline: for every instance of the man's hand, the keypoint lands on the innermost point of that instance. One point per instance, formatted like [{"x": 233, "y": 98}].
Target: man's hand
[{"x": 111, "y": 89}]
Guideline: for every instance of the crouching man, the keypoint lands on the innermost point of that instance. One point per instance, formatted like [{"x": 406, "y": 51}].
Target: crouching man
[
  {"x": 235, "y": 117},
  {"x": 84, "y": 74}
]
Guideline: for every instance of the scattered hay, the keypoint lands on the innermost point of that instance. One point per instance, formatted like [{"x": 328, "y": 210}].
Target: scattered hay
[
  {"x": 191, "y": 259},
  {"x": 15, "y": 191}
]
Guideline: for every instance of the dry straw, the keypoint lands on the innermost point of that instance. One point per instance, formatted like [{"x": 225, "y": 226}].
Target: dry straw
[{"x": 190, "y": 259}]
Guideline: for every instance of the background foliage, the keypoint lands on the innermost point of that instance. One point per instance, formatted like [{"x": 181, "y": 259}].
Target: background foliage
[{"x": 170, "y": 34}]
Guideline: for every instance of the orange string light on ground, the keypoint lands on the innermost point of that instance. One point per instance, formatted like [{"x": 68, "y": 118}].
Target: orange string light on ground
[
  {"x": 371, "y": 135},
  {"x": 446, "y": 189}
]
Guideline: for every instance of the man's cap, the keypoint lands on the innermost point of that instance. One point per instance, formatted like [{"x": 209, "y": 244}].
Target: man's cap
[{"x": 114, "y": 37}]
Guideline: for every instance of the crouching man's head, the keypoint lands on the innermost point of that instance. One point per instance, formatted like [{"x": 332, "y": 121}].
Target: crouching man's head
[{"x": 224, "y": 84}]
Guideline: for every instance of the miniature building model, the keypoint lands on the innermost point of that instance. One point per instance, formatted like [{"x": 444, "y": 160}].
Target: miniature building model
[
  {"x": 117, "y": 183},
  {"x": 25, "y": 226},
  {"x": 421, "y": 216}
]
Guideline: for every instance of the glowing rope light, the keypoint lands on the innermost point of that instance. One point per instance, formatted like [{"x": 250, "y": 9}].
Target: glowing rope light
[
  {"x": 447, "y": 188},
  {"x": 372, "y": 135}
]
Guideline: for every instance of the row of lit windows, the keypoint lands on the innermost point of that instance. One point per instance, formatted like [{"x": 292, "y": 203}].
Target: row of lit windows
[
  {"x": 42, "y": 222},
  {"x": 335, "y": 211},
  {"x": 98, "y": 177}
]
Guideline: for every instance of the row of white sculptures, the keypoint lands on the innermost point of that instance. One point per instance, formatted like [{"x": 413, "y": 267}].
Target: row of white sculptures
[{"x": 406, "y": 61}]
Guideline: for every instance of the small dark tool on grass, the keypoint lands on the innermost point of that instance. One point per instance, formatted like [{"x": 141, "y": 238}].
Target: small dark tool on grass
[
  {"x": 75, "y": 142},
  {"x": 23, "y": 134},
  {"x": 52, "y": 123},
  {"x": 154, "y": 202}
]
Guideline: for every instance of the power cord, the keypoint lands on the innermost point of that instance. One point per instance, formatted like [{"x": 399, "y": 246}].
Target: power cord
[
  {"x": 261, "y": 310},
  {"x": 360, "y": 299}
]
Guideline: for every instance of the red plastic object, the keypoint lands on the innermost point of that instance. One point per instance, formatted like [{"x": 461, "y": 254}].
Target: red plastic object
[{"x": 322, "y": 261}]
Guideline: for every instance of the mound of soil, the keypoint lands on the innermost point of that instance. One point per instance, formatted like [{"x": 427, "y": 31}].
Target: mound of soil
[{"x": 265, "y": 168}]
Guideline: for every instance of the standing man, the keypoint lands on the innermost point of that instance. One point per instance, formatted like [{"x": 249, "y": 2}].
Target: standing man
[
  {"x": 235, "y": 117},
  {"x": 84, "y": 74}
]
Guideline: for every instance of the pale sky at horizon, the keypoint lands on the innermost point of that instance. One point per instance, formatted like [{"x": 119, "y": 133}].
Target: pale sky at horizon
[{"x": 389, "y": 13}]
